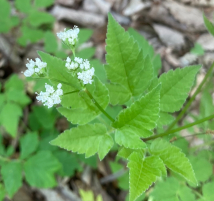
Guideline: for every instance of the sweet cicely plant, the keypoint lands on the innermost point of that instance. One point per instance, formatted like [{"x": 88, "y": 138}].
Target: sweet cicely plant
[{"x": 148, "y": 101}]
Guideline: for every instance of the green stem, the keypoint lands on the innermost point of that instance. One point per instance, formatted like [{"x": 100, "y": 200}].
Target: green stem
[
  {"x": 178, "y": 129},
  {"x": 183, "y": 111},
  {"x": 98, "y": 106},
  {"x": 71, "y": 92}
]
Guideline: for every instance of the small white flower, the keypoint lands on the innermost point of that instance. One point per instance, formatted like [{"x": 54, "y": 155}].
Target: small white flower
[
  {"x": 59, "y": 86},
  {"x": 50, "y": 96},
  {"x": 68, "y": 60},
  {"x": 29, "y": 72},
  {"x": 34, "y": 67},
  {"x": 70, "y": 36}
]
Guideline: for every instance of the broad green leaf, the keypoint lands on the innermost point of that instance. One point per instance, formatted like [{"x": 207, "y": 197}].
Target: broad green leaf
[
  {"x": 86, "y": 53},
  {"x": 176, "y": 86},
  {"x": 2, "y": 192},
  {"x": 202, "y": 167},
  {"x": 29, "y": 35},
  {"x": 18, "y": 97},
  {"x": 197, "y": 49},
  {"x": 50, "y": 42},
  {"x": 14, "y": 82},
  {"x": 58, "y": 71},
  {"x": 37, "y": 18},
  {"x": 43, "y": 3},
  {"x": 12, "y": 177},
  {"x": 147, "y": 49},
  {"x": 166, "y": 190},
  {"x": 29, "y": 143},
  {"x": 45, "y": 117},
  {"x": 126, "y": 65},
  {"x": 94, "y": 137},
  {"x": 164, "y": 119},
  {"x": 142, "y": 114},
  {"x": 209, "y": 25},
  {"x": 126, "y": 152},
  {"x": 174, "y": 159},
  {"x": 40, "y": 169},
  {"x": 118, "y": 94},
  {"x": 6, "y": 21},
  {"x": 171, "y": 190},
  {"x": 99, "y": 70},
  {"x": 23, "y": 5},
  {"x": 82, "y": 109},
  {"x": 84, "y": 35},
  {"x": 142, "y": 173},
  {"x": 129, "y": 139},
  {"x": 69, "y": 162},
  {"x": 137, "y": 120},
  {"x": 207, "y": 190},
  {"x": 91, "y": 161},
  {"x": 9, "y": 118},
  {"x": 81, "y": 103}
]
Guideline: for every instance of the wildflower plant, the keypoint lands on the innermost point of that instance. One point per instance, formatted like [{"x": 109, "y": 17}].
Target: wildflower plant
[{"x": 148, "y": 101}]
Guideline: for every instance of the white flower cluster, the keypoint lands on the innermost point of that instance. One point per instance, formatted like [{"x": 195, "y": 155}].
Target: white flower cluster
[
  {"x": 50, "y": 97},
  {"x": 87, "y": 72},
  {"x": 70, "y": 36},
  {"x": 34, "y": 67}
]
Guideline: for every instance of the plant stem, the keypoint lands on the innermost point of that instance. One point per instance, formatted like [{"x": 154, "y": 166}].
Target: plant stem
[
  {"x": 71, "y": 92},
  {"x": 98, "y": 106},
  {"x": 183, "y": 111},
  {"x": 178, "y": 129}
]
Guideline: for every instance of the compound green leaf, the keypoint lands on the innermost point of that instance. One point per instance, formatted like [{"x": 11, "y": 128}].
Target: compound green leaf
[
  {"x": 84, "y": 35},
  {"x": 58, "y": 72},
  {"x": 126, "y": 152},
  {"x": 164, "y": 119},
  {"x": 142, "y": 115},
  {"x": 18, "y": 97},
  {"x": 43, "y": 3},
  {"x": 9, "y": 117},
  {"x": 175, "y": 87},
  {"x": 207, "y": 190},
  {"x": 50, "y": 42},
  {"x": 40, "y": 169},
  {"x": 29, "y": 35},
  {"x": 69, "y": 162},
  {"x": 37, "y": 18},
  {"x": 171, "y": 190},
  {"x": 129, "y": 139},
  {"x": 174, "y": 159},
  {"x": 147, "y": 49},
  {"x": 126, "y": 64},
  {"x": 14, "y": 82},
  {"x": 202, "y": 167},
  {"x": 86, "y": 53},
  {"x": 12, "y": 177},
  {"x": 88, "y": 139},
  {"x": 82, "y": 109},
  {"x": 29, "y": 143},
  {"x": 23, "y": 5},
  {"x": 142, "y": 173},
  {"x": 118, "y": 94},
  {"x": 99, "y": 70},
  {"x": 209, "y": 25}
]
